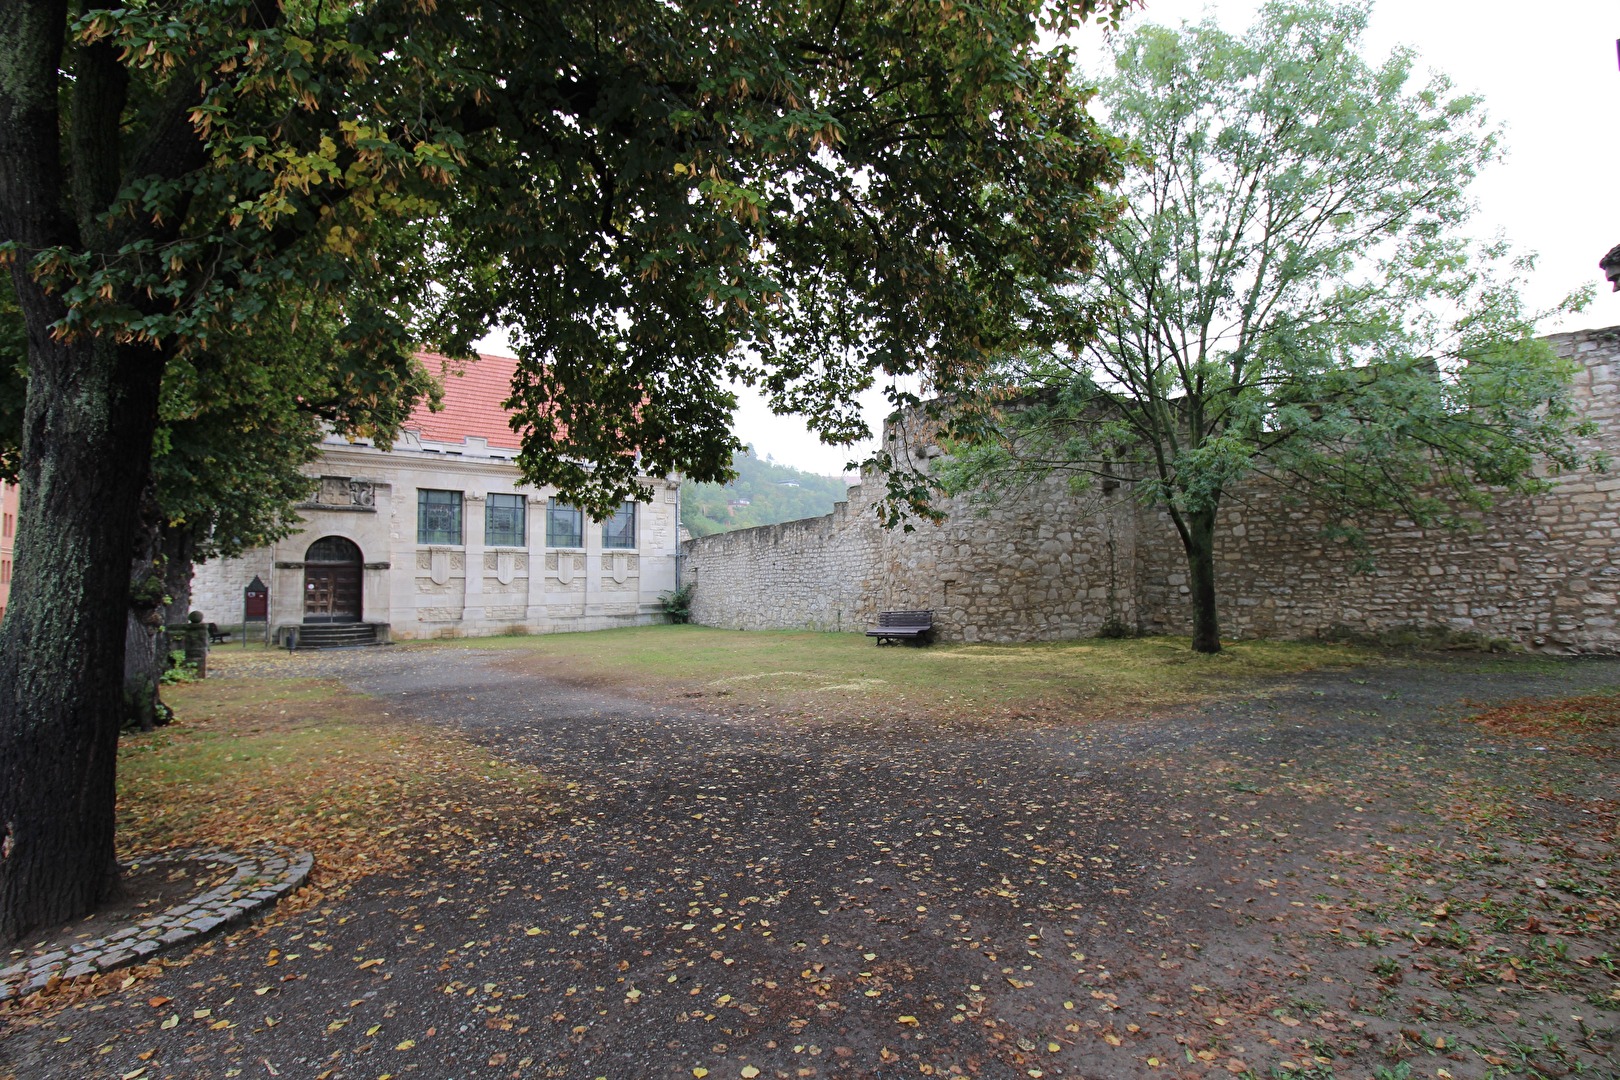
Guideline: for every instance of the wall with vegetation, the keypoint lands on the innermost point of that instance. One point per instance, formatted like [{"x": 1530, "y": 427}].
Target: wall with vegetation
[{"x": 1045, "y": 563}]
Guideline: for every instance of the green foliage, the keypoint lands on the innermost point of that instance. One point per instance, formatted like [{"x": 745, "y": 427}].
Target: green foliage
[
  {"x": 658, "y": 199},
  {"x": 240, "y": 421},
  {"x": 1287, "y": 294},
  {"x": 678, "y": 604},
  {"x": 179, "y": 669},
  {"x": 762, "y": 493}
]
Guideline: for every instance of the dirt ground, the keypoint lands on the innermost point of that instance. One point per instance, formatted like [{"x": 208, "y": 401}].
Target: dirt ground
[{"x": 1331, "y": 876}]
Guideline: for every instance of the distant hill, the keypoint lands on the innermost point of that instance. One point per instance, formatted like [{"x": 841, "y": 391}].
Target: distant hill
[{"x": 764, "y": 493}]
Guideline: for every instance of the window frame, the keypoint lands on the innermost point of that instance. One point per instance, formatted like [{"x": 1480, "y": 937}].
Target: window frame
[
  {"x": 609, "y": 544},
  {"x": 519, "y": 504},
  {"x": 427, "y": 536},
  {"x": 553, "y": 507}
]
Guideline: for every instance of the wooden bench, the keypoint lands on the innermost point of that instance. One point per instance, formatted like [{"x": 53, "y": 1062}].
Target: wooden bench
[
  {"x": 216, "y": 636},
  {"x": 903, "y": 626}
]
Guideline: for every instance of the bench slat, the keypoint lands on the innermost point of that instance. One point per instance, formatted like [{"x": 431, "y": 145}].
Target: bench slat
[{"x": 896, "y": 625}]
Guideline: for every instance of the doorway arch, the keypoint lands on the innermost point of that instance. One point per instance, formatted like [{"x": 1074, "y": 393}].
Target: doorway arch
[{"x": 332, "y": 581}]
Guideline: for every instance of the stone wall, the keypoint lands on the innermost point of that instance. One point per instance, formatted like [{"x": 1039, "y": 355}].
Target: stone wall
[
  {"x": 819, "y": 574},
  {"x": 1044, "y": 563},
  {"x": 217, "y": 586}
]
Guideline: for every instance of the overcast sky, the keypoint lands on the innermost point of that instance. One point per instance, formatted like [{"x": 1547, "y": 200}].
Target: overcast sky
[{"x": 1548, "y": 74}]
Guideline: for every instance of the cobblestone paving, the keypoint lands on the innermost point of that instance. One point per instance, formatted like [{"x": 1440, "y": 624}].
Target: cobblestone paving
[{"x": 260, "y": 877}]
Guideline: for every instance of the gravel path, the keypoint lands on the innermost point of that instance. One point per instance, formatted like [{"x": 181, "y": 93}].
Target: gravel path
[{"x": 742, "y": 896}]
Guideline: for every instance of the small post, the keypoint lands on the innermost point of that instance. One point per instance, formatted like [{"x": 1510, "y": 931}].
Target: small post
[{"x": 196, "y": 646}]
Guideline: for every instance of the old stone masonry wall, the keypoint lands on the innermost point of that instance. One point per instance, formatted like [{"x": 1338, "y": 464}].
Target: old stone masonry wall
[{"x": 1044, "y": 563}]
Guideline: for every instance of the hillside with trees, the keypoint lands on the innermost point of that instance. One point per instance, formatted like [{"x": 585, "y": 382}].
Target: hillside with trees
[{"x": 763, "y": 493}]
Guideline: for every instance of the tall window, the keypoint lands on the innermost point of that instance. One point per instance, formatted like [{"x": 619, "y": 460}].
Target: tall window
[
  {"x": 503, "y": 521},
  {"x": 438, "y": 516},
  {"x": 565, "y": 525},
  {"x": 619, "y": 531}
]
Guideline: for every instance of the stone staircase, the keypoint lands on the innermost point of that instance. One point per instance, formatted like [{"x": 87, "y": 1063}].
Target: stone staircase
[{"x": 337, "y": 635}]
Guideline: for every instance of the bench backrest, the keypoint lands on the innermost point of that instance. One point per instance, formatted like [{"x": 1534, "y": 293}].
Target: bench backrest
[{"x": 905, "y": 618}]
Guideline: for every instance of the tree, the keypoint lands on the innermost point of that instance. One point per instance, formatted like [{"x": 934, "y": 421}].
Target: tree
[
  {"x": 1287, "y": 295},
  {"x": 658, "y": 196},
  {"x": 236, "y": 433}
]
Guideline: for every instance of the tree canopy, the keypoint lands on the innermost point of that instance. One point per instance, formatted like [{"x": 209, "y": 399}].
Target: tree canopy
[
  {"x": 656, "y": 197},
  {"x": 1288, "y": 294}
]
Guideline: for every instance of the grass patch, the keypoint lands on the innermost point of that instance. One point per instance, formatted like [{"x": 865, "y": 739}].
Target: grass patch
[
  {"x": 305, "y": 763},
  {"x": 843, "y": 674}
]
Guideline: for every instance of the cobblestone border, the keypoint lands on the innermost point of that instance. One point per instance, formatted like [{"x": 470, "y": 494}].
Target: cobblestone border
[{"x": 262, "y": 875}]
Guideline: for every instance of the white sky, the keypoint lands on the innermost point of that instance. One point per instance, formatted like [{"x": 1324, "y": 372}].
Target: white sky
[{"x": 1548, "y": 74}]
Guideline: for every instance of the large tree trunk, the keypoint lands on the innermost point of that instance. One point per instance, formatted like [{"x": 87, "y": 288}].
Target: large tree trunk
[
  {"x": 1198, "y": 539},
  {"x": 160, "y": 597},
  {"x": 145, "y": 648},
  {"x": 179, "y": 566},
  {"x": 87, "y": 440},
  {"x": 87, "y": 445}
]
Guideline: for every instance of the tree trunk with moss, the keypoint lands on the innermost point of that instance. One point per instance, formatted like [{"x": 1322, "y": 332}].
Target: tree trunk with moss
[
  {"x": 90, "y": 413},
  {"x": 88, "y": 421},
  {"x": 145, "y": 649}
]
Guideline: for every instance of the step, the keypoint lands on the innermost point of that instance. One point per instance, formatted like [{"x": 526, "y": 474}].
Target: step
[{"x": 336, "y": 635}]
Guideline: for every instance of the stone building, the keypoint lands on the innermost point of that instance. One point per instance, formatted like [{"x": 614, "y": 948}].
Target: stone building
[
  {"x": 1047, "y": 564},
  {"x": 438, "y": 536}
]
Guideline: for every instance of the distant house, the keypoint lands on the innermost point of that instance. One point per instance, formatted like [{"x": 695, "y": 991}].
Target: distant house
[
  {"x": 734, "y": 504},
  {"x": 438, "y": 536}
]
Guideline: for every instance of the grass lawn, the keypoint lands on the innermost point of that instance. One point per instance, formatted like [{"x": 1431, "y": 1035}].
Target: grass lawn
[
  {"x": 305, "y": 763},
  {"x": 846, "y": 674}
]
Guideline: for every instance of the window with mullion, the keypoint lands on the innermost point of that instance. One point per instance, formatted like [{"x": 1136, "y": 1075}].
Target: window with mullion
[
  {"x": 504, "y": 521},
  {"x": 438, "y": 516},
  {"x": 619, "y": 531},
  {"x": 565, "y": 525}
]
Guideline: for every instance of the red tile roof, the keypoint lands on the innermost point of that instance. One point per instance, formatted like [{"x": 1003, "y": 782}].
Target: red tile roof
[{"x": 473, "y": 393}]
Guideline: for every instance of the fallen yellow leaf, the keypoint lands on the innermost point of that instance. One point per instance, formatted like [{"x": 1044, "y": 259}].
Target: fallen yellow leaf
[{"x": 406, "y": 1045}]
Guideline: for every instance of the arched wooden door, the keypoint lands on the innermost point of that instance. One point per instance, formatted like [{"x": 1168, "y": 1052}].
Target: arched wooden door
[{"x": 332, "y": 581}]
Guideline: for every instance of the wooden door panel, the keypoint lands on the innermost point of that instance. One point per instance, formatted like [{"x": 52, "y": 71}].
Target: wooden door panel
[{"x": 332, "y": 593}]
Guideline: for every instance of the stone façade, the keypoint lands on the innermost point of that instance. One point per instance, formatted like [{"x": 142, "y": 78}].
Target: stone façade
[{"x": 1047, "y": 564}]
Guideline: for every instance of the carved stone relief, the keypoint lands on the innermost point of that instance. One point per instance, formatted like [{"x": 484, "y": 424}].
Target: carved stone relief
[{"x": 344, "y": 493}]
